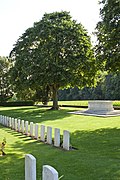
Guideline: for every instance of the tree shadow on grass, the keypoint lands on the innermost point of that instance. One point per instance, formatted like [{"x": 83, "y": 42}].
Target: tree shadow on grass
[
  {"x": 99, "y": 151},
  {"x": 97, "y": 157},
  {"x": 35, "y": 114}
]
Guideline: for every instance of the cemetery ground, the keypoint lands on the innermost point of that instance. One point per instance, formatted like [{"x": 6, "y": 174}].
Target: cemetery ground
[{"x": 96, "y": 139}]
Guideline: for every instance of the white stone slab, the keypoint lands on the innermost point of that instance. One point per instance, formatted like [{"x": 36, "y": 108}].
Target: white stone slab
[
  {"x": 49, "y": 135},
  {"x": 13, "y": 123},
  {"x": 26, "y": 127},
  {"x": 31, "y": 128},
  {"x": 100, "y": 108},
  {"x": 49, "y": 173},
  {"x": 22, "y": 126},
  {"x": 36, "y": 130},
  {"x": 9, "y": 122},
  {"x": 57, "y": 137},
  {"x": 16, "y": 125},
  {"x": 30, "y": 167},
  {"x": 42, "y": 133},
  {"x": 19, "y": 125},
  {"x": 66, "y": 140}
]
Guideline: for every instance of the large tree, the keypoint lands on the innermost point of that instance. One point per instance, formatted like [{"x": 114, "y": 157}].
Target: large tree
[
  {"x": 56, "y": 52},
  {"x": 108, "y": 34},
  {"x": 5, "y": 86}
]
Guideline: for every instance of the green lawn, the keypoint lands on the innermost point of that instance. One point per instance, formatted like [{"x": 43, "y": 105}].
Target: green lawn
[
  {"x": 79, "y": 103},
  {"x": 97, "y": 140}
]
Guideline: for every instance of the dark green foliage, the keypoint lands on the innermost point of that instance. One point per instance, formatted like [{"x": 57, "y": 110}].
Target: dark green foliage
[
  {"x": 108, "y": 34},
  {"x": 17, "y": 103},
  {"x": 107, "y": 89},
  {"x": 5, "y": 86},
  {"x": 56, "y": 52}
]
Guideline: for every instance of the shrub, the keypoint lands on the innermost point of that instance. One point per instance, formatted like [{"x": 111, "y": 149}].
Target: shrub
[{"x": 17, "y": 103}]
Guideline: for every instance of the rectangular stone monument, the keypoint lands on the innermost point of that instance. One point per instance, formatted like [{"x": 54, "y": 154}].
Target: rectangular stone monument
[
  {"x": 57, "y": 137},
  {"x": 42, "y": 133},
  {"x": 49, "y": 173},
  {"x": 49, "y": 135},
  {"x": 26, "y": 127},
  {"x": 66, "y": 140},
  {"x": 36, "y": 131},
  {"x": 30, "y": 167}
]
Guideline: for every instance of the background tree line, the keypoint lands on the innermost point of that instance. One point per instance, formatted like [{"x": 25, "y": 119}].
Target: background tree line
[{"x": 107, "y": 89}]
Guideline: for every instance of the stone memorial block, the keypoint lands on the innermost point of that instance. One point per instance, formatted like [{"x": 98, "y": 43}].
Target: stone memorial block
[
  {"x": 30, "y": 167},
  {"x": 49, "y": 173},
  {"x": 42, "y": 133},
  {"x": 57, "y": 137},
  {"x": 49, "y": 135},
  {"x": 66, "y": 140}
]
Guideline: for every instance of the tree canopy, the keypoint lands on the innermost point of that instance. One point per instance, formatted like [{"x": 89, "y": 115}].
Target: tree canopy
[
  {"x": 108, "y": 34},
  {"x": 5, "y": 86},
  {"x": 56, "y": 52}
]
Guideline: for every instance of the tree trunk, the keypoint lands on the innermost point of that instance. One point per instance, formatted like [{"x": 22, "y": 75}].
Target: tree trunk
[{"x": 55, "y": 97}]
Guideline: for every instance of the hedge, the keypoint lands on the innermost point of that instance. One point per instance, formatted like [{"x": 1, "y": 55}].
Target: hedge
[{"x": 17, "y": 103}]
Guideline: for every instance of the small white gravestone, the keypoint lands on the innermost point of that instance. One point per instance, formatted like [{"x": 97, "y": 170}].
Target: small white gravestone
[
  {"x": 36, "y": 131},
  {"x": 19, "y": 121},
  {"x": 42, "y": 133},
  {"x": 10, "y": 122},
  {"x": 13, "y": 126},
  {"x": 57, "y": 137},
  {"x": 23, "y": 126},
  {"x": 49, "y": 135},
  {"x": 16, "y": 124},
  {"x": 49, "y": 173},
  {"x": 31, "y": 128},
  {"x": 26, "y": 127},
  {"x": 66, "y": 140},
  {"x": 30, "y": 167},
  {"x": 4, "y": 120}
]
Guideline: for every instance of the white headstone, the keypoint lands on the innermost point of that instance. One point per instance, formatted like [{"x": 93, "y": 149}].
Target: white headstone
[
  {"x": 36, "y": 131},
  {"x": 31, "y": 128},
  {"x": 13, "y": 123},
  {"x": 49, "y": 173},
  {"x": 23, "y": 126},
  {"x": 26, "y": 127},
  {"x": 19, "y": 121},
  {"x": 10, "y": 122},
  {"x": 30, "y": 167},
  {"x": 49, "y": 135},
  {"x": 42, "y": 133},
  {"x": 66, "y": 140},
  {"x": 57, "y": 137},
  {"x": 16, "y": 124}
]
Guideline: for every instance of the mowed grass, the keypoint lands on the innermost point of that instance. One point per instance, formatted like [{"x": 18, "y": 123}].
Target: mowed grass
[
  {"x": 97, "y": 140},
  {"x": 79, "y": 103}
]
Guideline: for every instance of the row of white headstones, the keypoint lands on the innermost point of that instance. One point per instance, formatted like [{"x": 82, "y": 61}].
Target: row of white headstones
[
  {"x": 32, "y": 130},
  {"x": 48, "y": 172}
]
